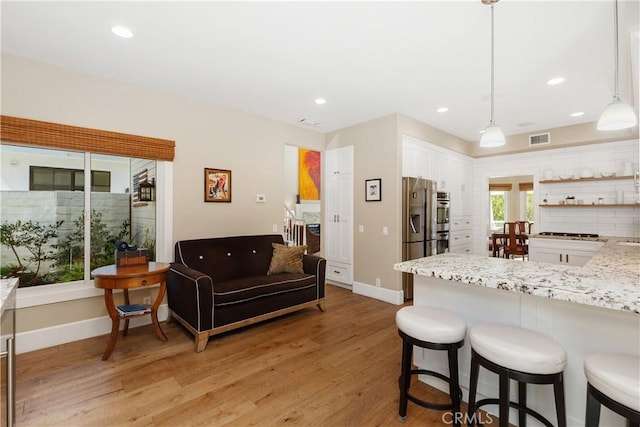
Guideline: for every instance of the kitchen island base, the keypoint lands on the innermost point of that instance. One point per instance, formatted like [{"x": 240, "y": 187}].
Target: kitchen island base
[{"x": 581, "y": 329}]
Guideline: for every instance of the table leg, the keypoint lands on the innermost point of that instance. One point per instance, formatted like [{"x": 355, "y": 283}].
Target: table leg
[
  {"x": 154, "y": 312},
  {"x": 115, "y": 323},
  {"x": 126, "y": 319}
]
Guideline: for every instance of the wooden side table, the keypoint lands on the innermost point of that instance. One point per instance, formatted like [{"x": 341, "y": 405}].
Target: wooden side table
[{"x": 111, "y": 277}]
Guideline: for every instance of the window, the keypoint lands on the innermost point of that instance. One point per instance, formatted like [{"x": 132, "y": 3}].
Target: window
[
  {"x": 89, "y": 225},
  {"x": 44, "y": 240},
  {"x": 58, "y": 179},
  {"x": 498, "y": 207}
]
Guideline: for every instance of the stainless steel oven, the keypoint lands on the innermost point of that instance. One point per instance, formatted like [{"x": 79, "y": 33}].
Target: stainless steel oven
[
  {"x": 442, "y": 206},
  {"x": 442, "y": 242}
]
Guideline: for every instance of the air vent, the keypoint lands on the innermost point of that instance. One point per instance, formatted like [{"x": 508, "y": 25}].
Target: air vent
[{"x": 539, "y": 139}]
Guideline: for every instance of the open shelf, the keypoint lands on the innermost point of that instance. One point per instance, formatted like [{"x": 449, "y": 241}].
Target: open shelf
[{"x": 560, "y": 181}]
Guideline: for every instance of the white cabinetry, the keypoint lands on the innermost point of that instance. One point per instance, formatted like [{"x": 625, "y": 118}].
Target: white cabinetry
[
  {"x": 559, "y": 251},
  {"x": 450, "y": 170},
  {"x": 460, "y": 234},
  {"x": 338, "y": 222}
]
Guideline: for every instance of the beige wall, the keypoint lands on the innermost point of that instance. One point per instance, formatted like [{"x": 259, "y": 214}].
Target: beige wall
[
  {"x": 567, "y": 136},
  {"x": 376, "y": 155},
  {"x": 424, "y": 132},
  {"x": 206, "y": 136}
]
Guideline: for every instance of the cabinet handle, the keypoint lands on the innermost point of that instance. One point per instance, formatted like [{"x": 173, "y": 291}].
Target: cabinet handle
[
  {"x": 560, "y": 257},
  {"x": 567, "y": 257},
  {"x": 144, "y": 282},
  {"x": 336, "y": 271}
]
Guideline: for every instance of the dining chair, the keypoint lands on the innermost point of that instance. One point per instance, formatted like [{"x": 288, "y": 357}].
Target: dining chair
[{"x": 516, "y": 238}]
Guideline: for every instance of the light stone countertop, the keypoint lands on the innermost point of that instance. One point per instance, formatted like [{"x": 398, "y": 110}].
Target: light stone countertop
[
  {"x": 611, "y": 279},
  {"x": 7, "y": 293}
]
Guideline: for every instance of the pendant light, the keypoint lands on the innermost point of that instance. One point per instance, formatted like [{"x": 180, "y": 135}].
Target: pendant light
[
  {"x": 492, "y": 136},
  {"x": 617, "y": 115}
]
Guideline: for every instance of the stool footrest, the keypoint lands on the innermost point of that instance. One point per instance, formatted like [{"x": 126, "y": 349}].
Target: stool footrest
[
  {"x": 424, "y": 403},
  {"x": 517, "y": 406}
]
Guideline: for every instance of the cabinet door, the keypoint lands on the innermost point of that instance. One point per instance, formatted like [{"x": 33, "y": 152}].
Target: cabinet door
[
  {"x": 409, "y": 157},
  {"x": 338, "y": 161},
  {"x": 339, "y": 218},
  {"x": 544, "y": 255}
]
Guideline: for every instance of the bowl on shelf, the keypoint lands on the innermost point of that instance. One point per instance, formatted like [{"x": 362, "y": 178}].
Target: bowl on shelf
[
  {"x": 566, "y": 176},
  {"x": 607, "y": 174}
]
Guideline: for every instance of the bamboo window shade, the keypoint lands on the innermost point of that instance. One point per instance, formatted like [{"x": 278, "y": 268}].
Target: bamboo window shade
[
  {"x": 526, "y": 186},
  {"x": 53, "y": 135},
  {"x": 500, "y": 187}
]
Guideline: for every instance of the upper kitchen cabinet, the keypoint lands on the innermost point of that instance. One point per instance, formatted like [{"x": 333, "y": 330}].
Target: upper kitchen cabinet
[
  {"x": 450, "y": 170},
  {"x": 338, "y": 161}
]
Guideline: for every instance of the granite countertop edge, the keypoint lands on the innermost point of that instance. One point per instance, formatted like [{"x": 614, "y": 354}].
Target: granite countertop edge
[{"x": 611, "y": 279}]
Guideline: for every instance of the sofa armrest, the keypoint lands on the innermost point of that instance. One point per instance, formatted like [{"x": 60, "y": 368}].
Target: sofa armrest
[
  {"x": 190, "y": 296},
  {"x": 312, "y": 264}
]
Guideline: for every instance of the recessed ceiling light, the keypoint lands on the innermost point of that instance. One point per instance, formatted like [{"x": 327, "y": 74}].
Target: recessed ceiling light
[
  {"x": 320, "y": 101},
  {"x": 121, "y": 31},
  {"x": 482, "y": 131},
  {"x": 442, "y": 110},
  {"x": 525, "y": 124},
  {"x": 555, "y": 81},
  {"x": 577, "y": 114}
]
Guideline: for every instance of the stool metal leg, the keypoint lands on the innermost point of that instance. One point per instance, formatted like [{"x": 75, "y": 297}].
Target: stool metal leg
[
  {"x": 592, "y": 416},
  {"x": 503, "y": 411},
  {"x": 454, "y": 385},
  {"x": 522, "y": 401},
  {"x": 405, "y": 378},
  {"x": 558, "y": 390},
  {"x": 473, "y": 385}
]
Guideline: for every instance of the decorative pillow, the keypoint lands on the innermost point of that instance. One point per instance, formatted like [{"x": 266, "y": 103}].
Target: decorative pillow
[{"x": 286, "y": 259}]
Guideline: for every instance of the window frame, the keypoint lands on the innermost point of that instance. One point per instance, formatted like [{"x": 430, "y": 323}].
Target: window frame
[
  {"x": 34, "y": 133},
  {"x": 73, "y": 179}
]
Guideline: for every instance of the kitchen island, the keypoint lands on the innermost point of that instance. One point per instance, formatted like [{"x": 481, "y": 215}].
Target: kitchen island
[{"x": 594, "y": 308}]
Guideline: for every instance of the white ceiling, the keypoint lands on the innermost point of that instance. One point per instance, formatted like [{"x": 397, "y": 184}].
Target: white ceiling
[{"x": 368, "y": 59}]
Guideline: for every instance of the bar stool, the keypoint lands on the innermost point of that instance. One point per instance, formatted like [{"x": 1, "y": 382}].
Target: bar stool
[
  {"x": 522, "y": 355},
  {"x": 434, "y": 329},
  {"x": 613, "y": 380}
]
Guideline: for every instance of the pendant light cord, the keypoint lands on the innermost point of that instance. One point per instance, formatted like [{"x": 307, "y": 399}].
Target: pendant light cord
[{"x": 491, "y": 121}]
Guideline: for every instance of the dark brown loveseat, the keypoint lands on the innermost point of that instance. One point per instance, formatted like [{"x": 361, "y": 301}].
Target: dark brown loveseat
[{"x": 219, "y": 284}]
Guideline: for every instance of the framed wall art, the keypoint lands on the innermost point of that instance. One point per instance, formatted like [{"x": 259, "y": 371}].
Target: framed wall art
[
  {"x": 373, "y": 190},
  {"x": 217, "y": 185}
]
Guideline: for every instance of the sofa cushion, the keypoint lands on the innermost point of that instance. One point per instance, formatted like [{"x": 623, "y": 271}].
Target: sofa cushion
[
  {"x": 228, "y": 258},
  {"x": 286, "y": 259},
  {"x": 253, "y": 287}
]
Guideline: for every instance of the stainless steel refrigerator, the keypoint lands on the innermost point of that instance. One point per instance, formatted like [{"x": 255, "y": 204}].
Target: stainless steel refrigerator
[{"x": 418, "y": 224}]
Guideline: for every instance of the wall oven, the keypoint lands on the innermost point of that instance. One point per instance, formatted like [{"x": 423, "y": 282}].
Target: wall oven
[
  {"x": 442, "y": 242},
  {"x": 442, "y": 206}
]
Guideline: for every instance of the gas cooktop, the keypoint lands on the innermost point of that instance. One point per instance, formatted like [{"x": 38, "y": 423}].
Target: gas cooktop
[{"x": 557, "y": 233}]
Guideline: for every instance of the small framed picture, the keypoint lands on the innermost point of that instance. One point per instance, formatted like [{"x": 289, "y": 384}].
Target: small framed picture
[
  {"x": 373, "y": 190},
  {"x": 217, "y": 185}
]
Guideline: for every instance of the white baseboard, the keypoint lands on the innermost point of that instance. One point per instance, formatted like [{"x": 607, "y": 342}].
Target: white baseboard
[
  {"x": 382, "y": 294},
  {"x": 69, "y": 332}
]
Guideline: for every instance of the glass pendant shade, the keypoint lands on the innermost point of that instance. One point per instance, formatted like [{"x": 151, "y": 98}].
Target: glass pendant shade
[
  {"x": 617, "y": 115},
  {"x": 492, "y": 137}
]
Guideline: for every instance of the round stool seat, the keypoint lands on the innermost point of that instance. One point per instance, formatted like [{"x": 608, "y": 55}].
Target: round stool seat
[
  {"x": 616, "y": 376},
  {"x": 431, "y": 324},
  {"x": 518, "y": 349}
]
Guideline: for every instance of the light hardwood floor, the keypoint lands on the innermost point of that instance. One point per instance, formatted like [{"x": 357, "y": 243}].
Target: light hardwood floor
[{"x": 338, "y": 368}]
